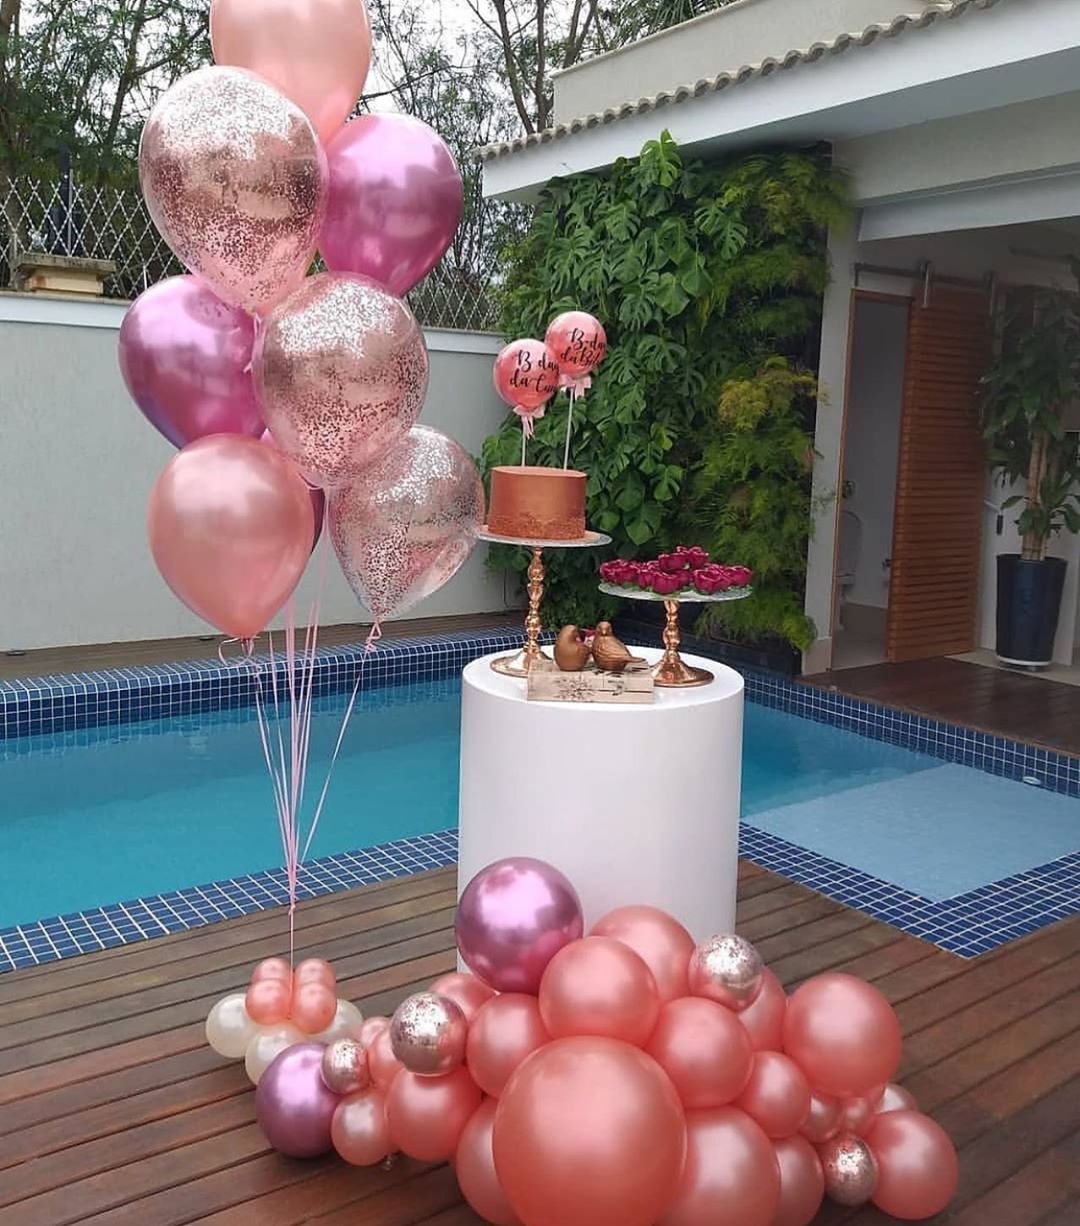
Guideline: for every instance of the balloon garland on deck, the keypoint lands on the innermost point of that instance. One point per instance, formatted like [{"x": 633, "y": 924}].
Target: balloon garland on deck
[{"x": 626, "y": 1077}]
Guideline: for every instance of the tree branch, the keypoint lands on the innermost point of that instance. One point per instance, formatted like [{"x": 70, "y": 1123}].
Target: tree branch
[{"x": 510, "y": 61}]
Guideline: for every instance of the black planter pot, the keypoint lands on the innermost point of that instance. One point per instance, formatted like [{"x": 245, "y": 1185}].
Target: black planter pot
[{"x": 1028, "y": 600}]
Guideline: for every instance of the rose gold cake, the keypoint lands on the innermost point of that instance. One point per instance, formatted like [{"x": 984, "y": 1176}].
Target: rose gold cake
[{"x": 546, "y": 504}]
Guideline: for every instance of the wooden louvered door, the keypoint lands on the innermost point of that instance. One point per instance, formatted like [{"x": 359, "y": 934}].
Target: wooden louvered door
[{"x": 940, "y": 480}]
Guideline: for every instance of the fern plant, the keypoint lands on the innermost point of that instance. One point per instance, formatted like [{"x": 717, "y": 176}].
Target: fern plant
[{"x": 703, "y": 275}]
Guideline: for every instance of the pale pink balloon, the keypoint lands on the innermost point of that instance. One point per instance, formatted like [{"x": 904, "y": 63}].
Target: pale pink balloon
[
  {"x": 917, "y": 1165},
  {"x": 427, "y": 1115},
  {"x": 317, "y": 52},
  {"x": 267, "y": 1001},
  {"x": 313, "y": 1007},
  {"x": 371, "y": 1028},
  {"x": 658, "y": 939},
  {"x": 465, "y": 990},
  {"x": 703, "y": 1049},
  {"x": 382, "y": 1062},
  {"x": 341, "y": 371},
  {"x": 403, "y": 529},
  {"x": 395, "y": 200},
  {"x": 763, "y": 1018},
  {"x": 315, "y": 970},
  {"x": 802, "y": 1184},
  {"x": 896, "y": 1098},
  {"x": 236, "y": 182},
  {"x": 272, "y": 968},
  {"x": 597, "y": 986},
  {"x": 359, "y": 1129},
  {"x": 823, "y": 1120},
  {"x": 501, "y": 1035},
  {"x": 777, "y": 1095},
  {"x": 731, "y": 1177},
  {"x": 230, "y": 527},
  {"x": 526, "y": 374},
  {"x": 842, "y": 1033},
  {"x": 474, "y": 1166},
  {"x": 578, "y": 342}
]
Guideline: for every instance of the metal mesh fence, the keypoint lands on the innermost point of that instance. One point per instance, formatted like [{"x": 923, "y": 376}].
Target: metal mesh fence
[{"x": 109, "y": 223}]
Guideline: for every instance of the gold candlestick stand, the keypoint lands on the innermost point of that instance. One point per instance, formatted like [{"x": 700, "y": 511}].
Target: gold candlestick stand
[{"x": 519, "y": 664}]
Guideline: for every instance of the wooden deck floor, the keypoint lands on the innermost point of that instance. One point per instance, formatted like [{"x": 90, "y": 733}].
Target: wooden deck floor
[
  {"x": 113, "y": 1110},
  {"x": 1016, "y": 705}
]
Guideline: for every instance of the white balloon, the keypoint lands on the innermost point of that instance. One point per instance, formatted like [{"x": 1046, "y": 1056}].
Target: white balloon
[
  {"x": 229, "y": 1029},
  {"x": 270, "y": 1042},
  {"x": 347, "y": 1019}
]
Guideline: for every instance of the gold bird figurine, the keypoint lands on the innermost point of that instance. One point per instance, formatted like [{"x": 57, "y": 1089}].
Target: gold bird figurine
[
  {"x": 571, "y": 650},
  {"x": 608, "y": 653}
]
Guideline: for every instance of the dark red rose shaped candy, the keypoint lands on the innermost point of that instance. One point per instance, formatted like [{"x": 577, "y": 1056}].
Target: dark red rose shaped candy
[{"x": 741, "y": 575}]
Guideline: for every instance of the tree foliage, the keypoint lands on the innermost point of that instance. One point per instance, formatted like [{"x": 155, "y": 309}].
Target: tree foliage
[{"x": 708, "y": 278}]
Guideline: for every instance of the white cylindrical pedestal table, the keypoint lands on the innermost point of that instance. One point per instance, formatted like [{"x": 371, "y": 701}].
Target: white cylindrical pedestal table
[{"x": 634, "y": 803}]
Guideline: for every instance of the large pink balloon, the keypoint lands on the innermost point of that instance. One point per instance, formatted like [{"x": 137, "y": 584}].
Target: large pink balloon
[
  {"x": 917, "y": 1165},
  {"x": 763, "y": 1018},
  {"x": 589, "y": 1132},
  {"x": 395, "y": 200},
  {"x": 230, "y": 526},
  {"x": 843, "y": 1034},
  {"x": 599, "y": 986},
  {"x": 186, "y": 359},
  {"x": 404, "y": 527},
  {"x": 502, "y": 1034},
  {"x": 703, "y": 1049},
  {"x": 657, "y": 938},
  {"x": 474, "y": 1166},
  {"x": 802, "y": 1185},
  {"x": 427, "y": 1115},
  {"x": 236, "y": 181},
  {"x": 341, "y": 371},
  {"x": 731, "y": 1177},
  {"x": 292, "y": 1104},
  {"x": 317, "y": 52},
  {"x": 777, "y": 1095},
  {"x": 512, "y": 918}
]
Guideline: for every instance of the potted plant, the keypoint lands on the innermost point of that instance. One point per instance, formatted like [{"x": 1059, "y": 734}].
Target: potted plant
[{"x": 1034, "y": 379}]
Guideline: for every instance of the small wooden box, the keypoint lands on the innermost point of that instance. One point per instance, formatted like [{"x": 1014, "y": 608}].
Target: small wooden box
[{"x": 548, "y": 683}]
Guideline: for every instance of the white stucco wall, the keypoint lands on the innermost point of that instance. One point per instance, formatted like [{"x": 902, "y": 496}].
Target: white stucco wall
[{"x": 77, "y": 461}]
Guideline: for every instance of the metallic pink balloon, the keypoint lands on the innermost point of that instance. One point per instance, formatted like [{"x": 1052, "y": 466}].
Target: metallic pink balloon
[
  {"x": 513, "y": 918},
  {"x": 578, "y": 342},
  {"x": 317, "y": 52},
  {"x": 293, "y": 1105},
  {"x": 230, "y": 527},
  {"x": 404, "y": 527},
  {"x": 802, "y": 1183},
  {"x": 341, "y": 371},
  {"x": 395, "y": 200},
  {"x": 526, "y": 374},
  {"x": 236, "y": 182},
  {"x": 186, "y": 359}
]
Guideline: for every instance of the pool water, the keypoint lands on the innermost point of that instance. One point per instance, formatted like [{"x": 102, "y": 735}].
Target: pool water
[{"x": 104, "y": 815}]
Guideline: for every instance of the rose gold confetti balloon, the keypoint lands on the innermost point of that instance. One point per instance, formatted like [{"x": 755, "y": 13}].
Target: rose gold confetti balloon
[
  {"x": 406, "y": 525},
  {"x": 236, "y": 181},
  {"x": 341, "y": 371},
  {"x": 428, "y": 1034},
  {"x": 850, "y": 1169},
  {"x": 728, "y": 969}
]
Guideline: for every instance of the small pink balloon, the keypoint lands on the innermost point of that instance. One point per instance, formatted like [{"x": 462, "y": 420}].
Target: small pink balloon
[
  {"x": 512, "y": 918},
  {"x": 917, "y": 1165},
  {"x": 578, "y": 342},
  {"x": 823, "y": 1120},
  {"x": 313, "y": 1007},
  {"x": 763, "y": 1018},
  {"x": 843, "y": 1034},
  {"x": 802, "y": 1184},
  {"x": 230, "y": 528},
  {"x": 292, "y": 1104},
  {"x": 777, "y": 1095},
  {"x": 382, "y": 1062},
  {"x": 896, "y": 1098},
  {"x": 404, "y": 528},
  {"x": 317, "y": 52},
  {"x": 856, "y": 1115},
  {"x": 395, "y": 200},
  {"x": 703, "y": 1049},
  {"x": 501, "y": 1035},
  {"x": 315, "y": 970},
  {"x": 731, "y": 1177},
  {"x": 474, "y": 1166},
  {"x": 267, "y": 1001},
  {"x": 658, "y": 939},
  {"x": 359, "y": 1130},
  {"x": 236, "y": 183},
  {"x": 186, "y": 360},
  {"x": 272, "y": 968},
  {"x": 526, "y": 374},
  {"x": 427, "y": 1115},
  {"x": 466, "y": 991},
  {"x": 371, "y": 1028},
  {"x": 598, "y": 986}
]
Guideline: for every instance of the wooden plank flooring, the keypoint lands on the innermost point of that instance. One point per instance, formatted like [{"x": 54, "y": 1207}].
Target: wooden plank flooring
[
  {"x": 1016, "y": 705},
  {"x": 113, "y": 1111}
]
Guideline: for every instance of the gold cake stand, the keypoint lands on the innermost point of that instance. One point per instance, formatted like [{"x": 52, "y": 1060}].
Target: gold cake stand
[
  {"x": 672, "y": 669},
  {"x": 519, "y": 664}
]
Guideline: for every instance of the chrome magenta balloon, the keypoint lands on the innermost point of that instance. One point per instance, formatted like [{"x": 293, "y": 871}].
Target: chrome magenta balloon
[
  {"x": 293, "y": 1105},
  {"x": 513, "y": 918}
]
